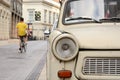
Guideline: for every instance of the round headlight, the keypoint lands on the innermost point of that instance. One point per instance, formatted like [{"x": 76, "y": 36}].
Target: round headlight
[{"x": 65, "y": 47}]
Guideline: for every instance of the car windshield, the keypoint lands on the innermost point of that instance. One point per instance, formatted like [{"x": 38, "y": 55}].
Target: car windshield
[{"x": 91, "y": 10}]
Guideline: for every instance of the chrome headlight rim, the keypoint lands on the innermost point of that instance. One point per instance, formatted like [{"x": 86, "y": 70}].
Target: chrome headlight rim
[{"x": 65, "y": 36}]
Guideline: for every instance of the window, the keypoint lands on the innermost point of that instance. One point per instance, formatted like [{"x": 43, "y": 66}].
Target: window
[
  {"x": 45, "y": 16},
  {"x": 18, "y": 5},
  {"x": 57, "y": 16},
  {"x": 53, "y": 17},
  {"x": 3, "y": 15},
  {"x": 49, "y": 16},
  {"x": 0, "y": 12},
  {"x": 14, "y": 5},
  {"x": 31, "y": 15},
  {"x": 37, "y": 16},
  {"x": 20, "y": 8}
]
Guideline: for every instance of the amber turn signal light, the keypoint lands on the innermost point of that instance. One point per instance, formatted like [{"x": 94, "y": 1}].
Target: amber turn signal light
[{"x": 64, "y": 74}]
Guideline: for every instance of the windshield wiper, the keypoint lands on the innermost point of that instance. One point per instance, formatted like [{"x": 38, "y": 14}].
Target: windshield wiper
[
  {"x": 83, "y": 18},
  {"x": 114, "y": 19}
]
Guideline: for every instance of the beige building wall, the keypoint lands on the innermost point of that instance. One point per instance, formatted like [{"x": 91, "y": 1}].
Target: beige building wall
[
  {"x": 48, "y": 10},
  {"x": 5, "y": 18}
]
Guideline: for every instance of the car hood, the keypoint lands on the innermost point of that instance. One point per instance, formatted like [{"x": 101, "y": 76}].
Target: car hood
[{"x": 101, "y": 36}]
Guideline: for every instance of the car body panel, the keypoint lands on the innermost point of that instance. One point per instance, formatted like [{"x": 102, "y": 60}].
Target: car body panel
[
  {"x": 85, "y": 33},
  {"x": 95, "y": 54},
  {"x": 98, "y": 56}
]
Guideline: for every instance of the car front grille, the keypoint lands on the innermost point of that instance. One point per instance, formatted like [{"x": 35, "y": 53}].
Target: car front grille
[{"x": 101, "y": 66}]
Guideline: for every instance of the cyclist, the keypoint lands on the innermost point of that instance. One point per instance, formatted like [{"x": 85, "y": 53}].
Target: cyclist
[{"x": 22, "y": 31}]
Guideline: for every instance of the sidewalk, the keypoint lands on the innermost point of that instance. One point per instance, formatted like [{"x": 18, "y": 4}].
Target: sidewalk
[{"x": 9, "y": 41}]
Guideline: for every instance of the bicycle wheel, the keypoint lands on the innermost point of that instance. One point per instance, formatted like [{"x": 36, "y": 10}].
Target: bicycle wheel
[
  {"x": 21, "y": 47},
  {"x": 25, "y": 47}
]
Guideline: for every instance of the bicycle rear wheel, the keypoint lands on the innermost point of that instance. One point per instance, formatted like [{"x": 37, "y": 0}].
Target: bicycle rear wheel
[
  {"x": 22, "y": 44},
  {"x": 21, "y": 47},
  {"x": 25, "y": 47}
]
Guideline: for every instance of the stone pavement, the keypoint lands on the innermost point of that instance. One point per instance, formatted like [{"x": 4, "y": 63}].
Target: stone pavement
[{"x": 42, "y": 75}]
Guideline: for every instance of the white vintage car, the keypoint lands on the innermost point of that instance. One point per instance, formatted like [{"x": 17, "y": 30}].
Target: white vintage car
[{"x": 86, "y": 43}]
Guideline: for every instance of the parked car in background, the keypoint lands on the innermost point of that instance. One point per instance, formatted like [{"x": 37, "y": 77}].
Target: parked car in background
[
  {"x": 86, "y": 42},
  {"x": 47, "y": 33}
]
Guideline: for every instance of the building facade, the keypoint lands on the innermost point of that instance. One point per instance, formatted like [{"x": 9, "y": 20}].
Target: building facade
[
  {"x": 40, "y": 15},
  {"x": 10, "y": 14},
  {"x": 5, "y": 19},
  {"x": 16, "y": 14}
]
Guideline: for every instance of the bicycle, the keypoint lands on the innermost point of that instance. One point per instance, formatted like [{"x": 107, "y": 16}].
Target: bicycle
[{"x": 23, "y": 45}]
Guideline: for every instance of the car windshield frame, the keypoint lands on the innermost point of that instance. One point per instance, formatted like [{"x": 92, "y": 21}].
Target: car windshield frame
[{"x": 85, "y": 18}]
